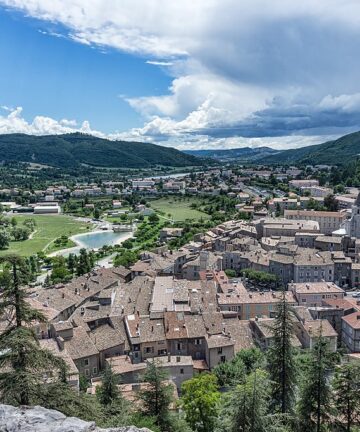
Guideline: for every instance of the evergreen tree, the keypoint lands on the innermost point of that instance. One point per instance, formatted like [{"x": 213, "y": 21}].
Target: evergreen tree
[
  {"x": 200, "y": 397},
  {"x": 22, "y": 361},
  {"x": 281, "y": 358},
  {"x": 83, "y": 264},
  {"x": 108, "y": 391},
  {"x": 4, "y": 239},
  {"x": 248, "y": 405},
  {"x": 346, "y": 386},
  {"x": 71, "y": 263},
  {"x": 315, "y": 395},
  {"x": 157, "y": 396}
]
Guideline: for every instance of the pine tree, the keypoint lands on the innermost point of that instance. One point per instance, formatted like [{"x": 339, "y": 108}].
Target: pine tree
[
  {"x": 71, "y": 263},
  {"x": 249, "y": 404},
  {"x": 22, "y": 361},
  {"x": 346, "y": 386},
  {"x": 108, "y": 391},
  {"x": 83, "y": 264},
  {"x": 281, "y": 358},
  {"x": 315, "y": 395},
  {"x": 157, "y": 396}
]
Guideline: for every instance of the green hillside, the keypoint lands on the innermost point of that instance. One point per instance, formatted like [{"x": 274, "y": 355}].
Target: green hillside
[
  {"x": 240, "y": 154},
  {"x": 71, "y": 150},
  {"x": 338, "y": 152}
]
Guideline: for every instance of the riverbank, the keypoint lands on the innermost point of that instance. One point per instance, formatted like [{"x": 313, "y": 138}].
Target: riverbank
[{"x": 79, "y": 240}]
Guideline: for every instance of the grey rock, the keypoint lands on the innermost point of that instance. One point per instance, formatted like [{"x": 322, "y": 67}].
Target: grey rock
[{"x": 39, "y": 419}]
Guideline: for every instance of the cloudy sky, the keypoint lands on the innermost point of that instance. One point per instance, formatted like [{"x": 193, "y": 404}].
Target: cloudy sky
[{"x": 189, "y": 74}]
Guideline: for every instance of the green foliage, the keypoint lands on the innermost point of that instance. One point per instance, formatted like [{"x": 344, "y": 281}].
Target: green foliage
[
  {"x": 20, "y": 233},
  {"x": 314, "y": 407},
  {"x": 4, "y": 239},
  {"x": 230, "y": 273},
  {"x": 346, "y": 387},
  {"x": 200, "y": 398},
  {"x": 331, "y": 203},
  {"x": 154, "y": 218},
  {"x": 126, "y": 258},
  {"x": 60, "y": 272},
  {"x": 339, "y": 152},
  {"x": 281, "y": 359},
  {"x": 108, "y": 392},
  {"x": 157, "y": 396},
  {"x": 71, "y": 150},
  {"x": 246, "y": 407},
  {"x": 23, "y": 364},
  {"x": 259, "y": 276},
  {"x": 85, "y": 262}
]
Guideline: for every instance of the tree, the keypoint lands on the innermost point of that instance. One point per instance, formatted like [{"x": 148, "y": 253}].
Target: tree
[
  {"x": 230, "y": 273},
  {"x": 20, "y": 233},
  {"x": 331, "y": 203},
  {"x": 247, "y": 406},
  {"x": 281, "y": 358},
  {"x": 346, "y": 386},
  {"x": 4, "y": 239},
  {"x": 108, "y": 392},
  {"x": 314, "y": 403},
  {"x": 71, "y": 263},
  {"x": 83, "y": 265},
  {"x": 60, "y": 272},
  {"x": 97, "y": 213},
  {"x": 157, "y": 395},
  {"x": 23, "y": 363},
  {"x": 200, "y": 402},
  {"x": 154, "y": 218}
]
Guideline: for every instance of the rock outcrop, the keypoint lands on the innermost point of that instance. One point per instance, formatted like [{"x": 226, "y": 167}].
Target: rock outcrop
[{"x": 39, "y": 419}]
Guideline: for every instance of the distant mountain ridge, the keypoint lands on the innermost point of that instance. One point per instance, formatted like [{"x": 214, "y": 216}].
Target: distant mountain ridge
[
  {"x": 242, "y": 153},
  {"x": 71, "y": 150},
  {"x": 338, "y": 152}
]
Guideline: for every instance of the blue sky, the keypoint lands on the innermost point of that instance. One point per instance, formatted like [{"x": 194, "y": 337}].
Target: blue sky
[
  {"x": 204, "y": 74},
  {"x": 57, "y": 77}
]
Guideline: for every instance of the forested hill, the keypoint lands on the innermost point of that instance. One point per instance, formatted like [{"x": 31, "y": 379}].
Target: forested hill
[
  {"x": 71, "y": 150},
  {"x": 242, "y": 154},
  {"x": 337, "y": 152}
]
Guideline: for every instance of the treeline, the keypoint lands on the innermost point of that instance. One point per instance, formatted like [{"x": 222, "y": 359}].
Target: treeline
[{"x": 10, "y": 230}]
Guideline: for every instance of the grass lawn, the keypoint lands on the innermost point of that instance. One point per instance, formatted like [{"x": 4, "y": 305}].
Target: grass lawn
[
  {"x": 48, "y": 228},
  {"x": 178, "y": 208}
]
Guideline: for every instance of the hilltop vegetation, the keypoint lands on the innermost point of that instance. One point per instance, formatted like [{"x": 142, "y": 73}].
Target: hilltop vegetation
[
  {"x": 242, "y": 154},
  {"x": 72, "y": 150},
  {"x": 340, "y": 151}
]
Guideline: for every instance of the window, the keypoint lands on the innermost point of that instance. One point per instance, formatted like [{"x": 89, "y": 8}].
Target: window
[
  {"x": 87, "y": 372},
  {"x": 95, "y": 370},
  {"x": 149, "y": 350},
  {"x": 179, "y": 347},
  {"x": 197, "y": 341},
  {"x": 86, "y": 362},
  {"x": 223, "y": 359},
  {"x": 182, "y": 371},
  {"x": 220, "y": 350}
]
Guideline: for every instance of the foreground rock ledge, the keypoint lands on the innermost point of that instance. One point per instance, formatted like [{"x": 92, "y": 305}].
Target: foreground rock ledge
[{"x": 39, "y": 419}]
